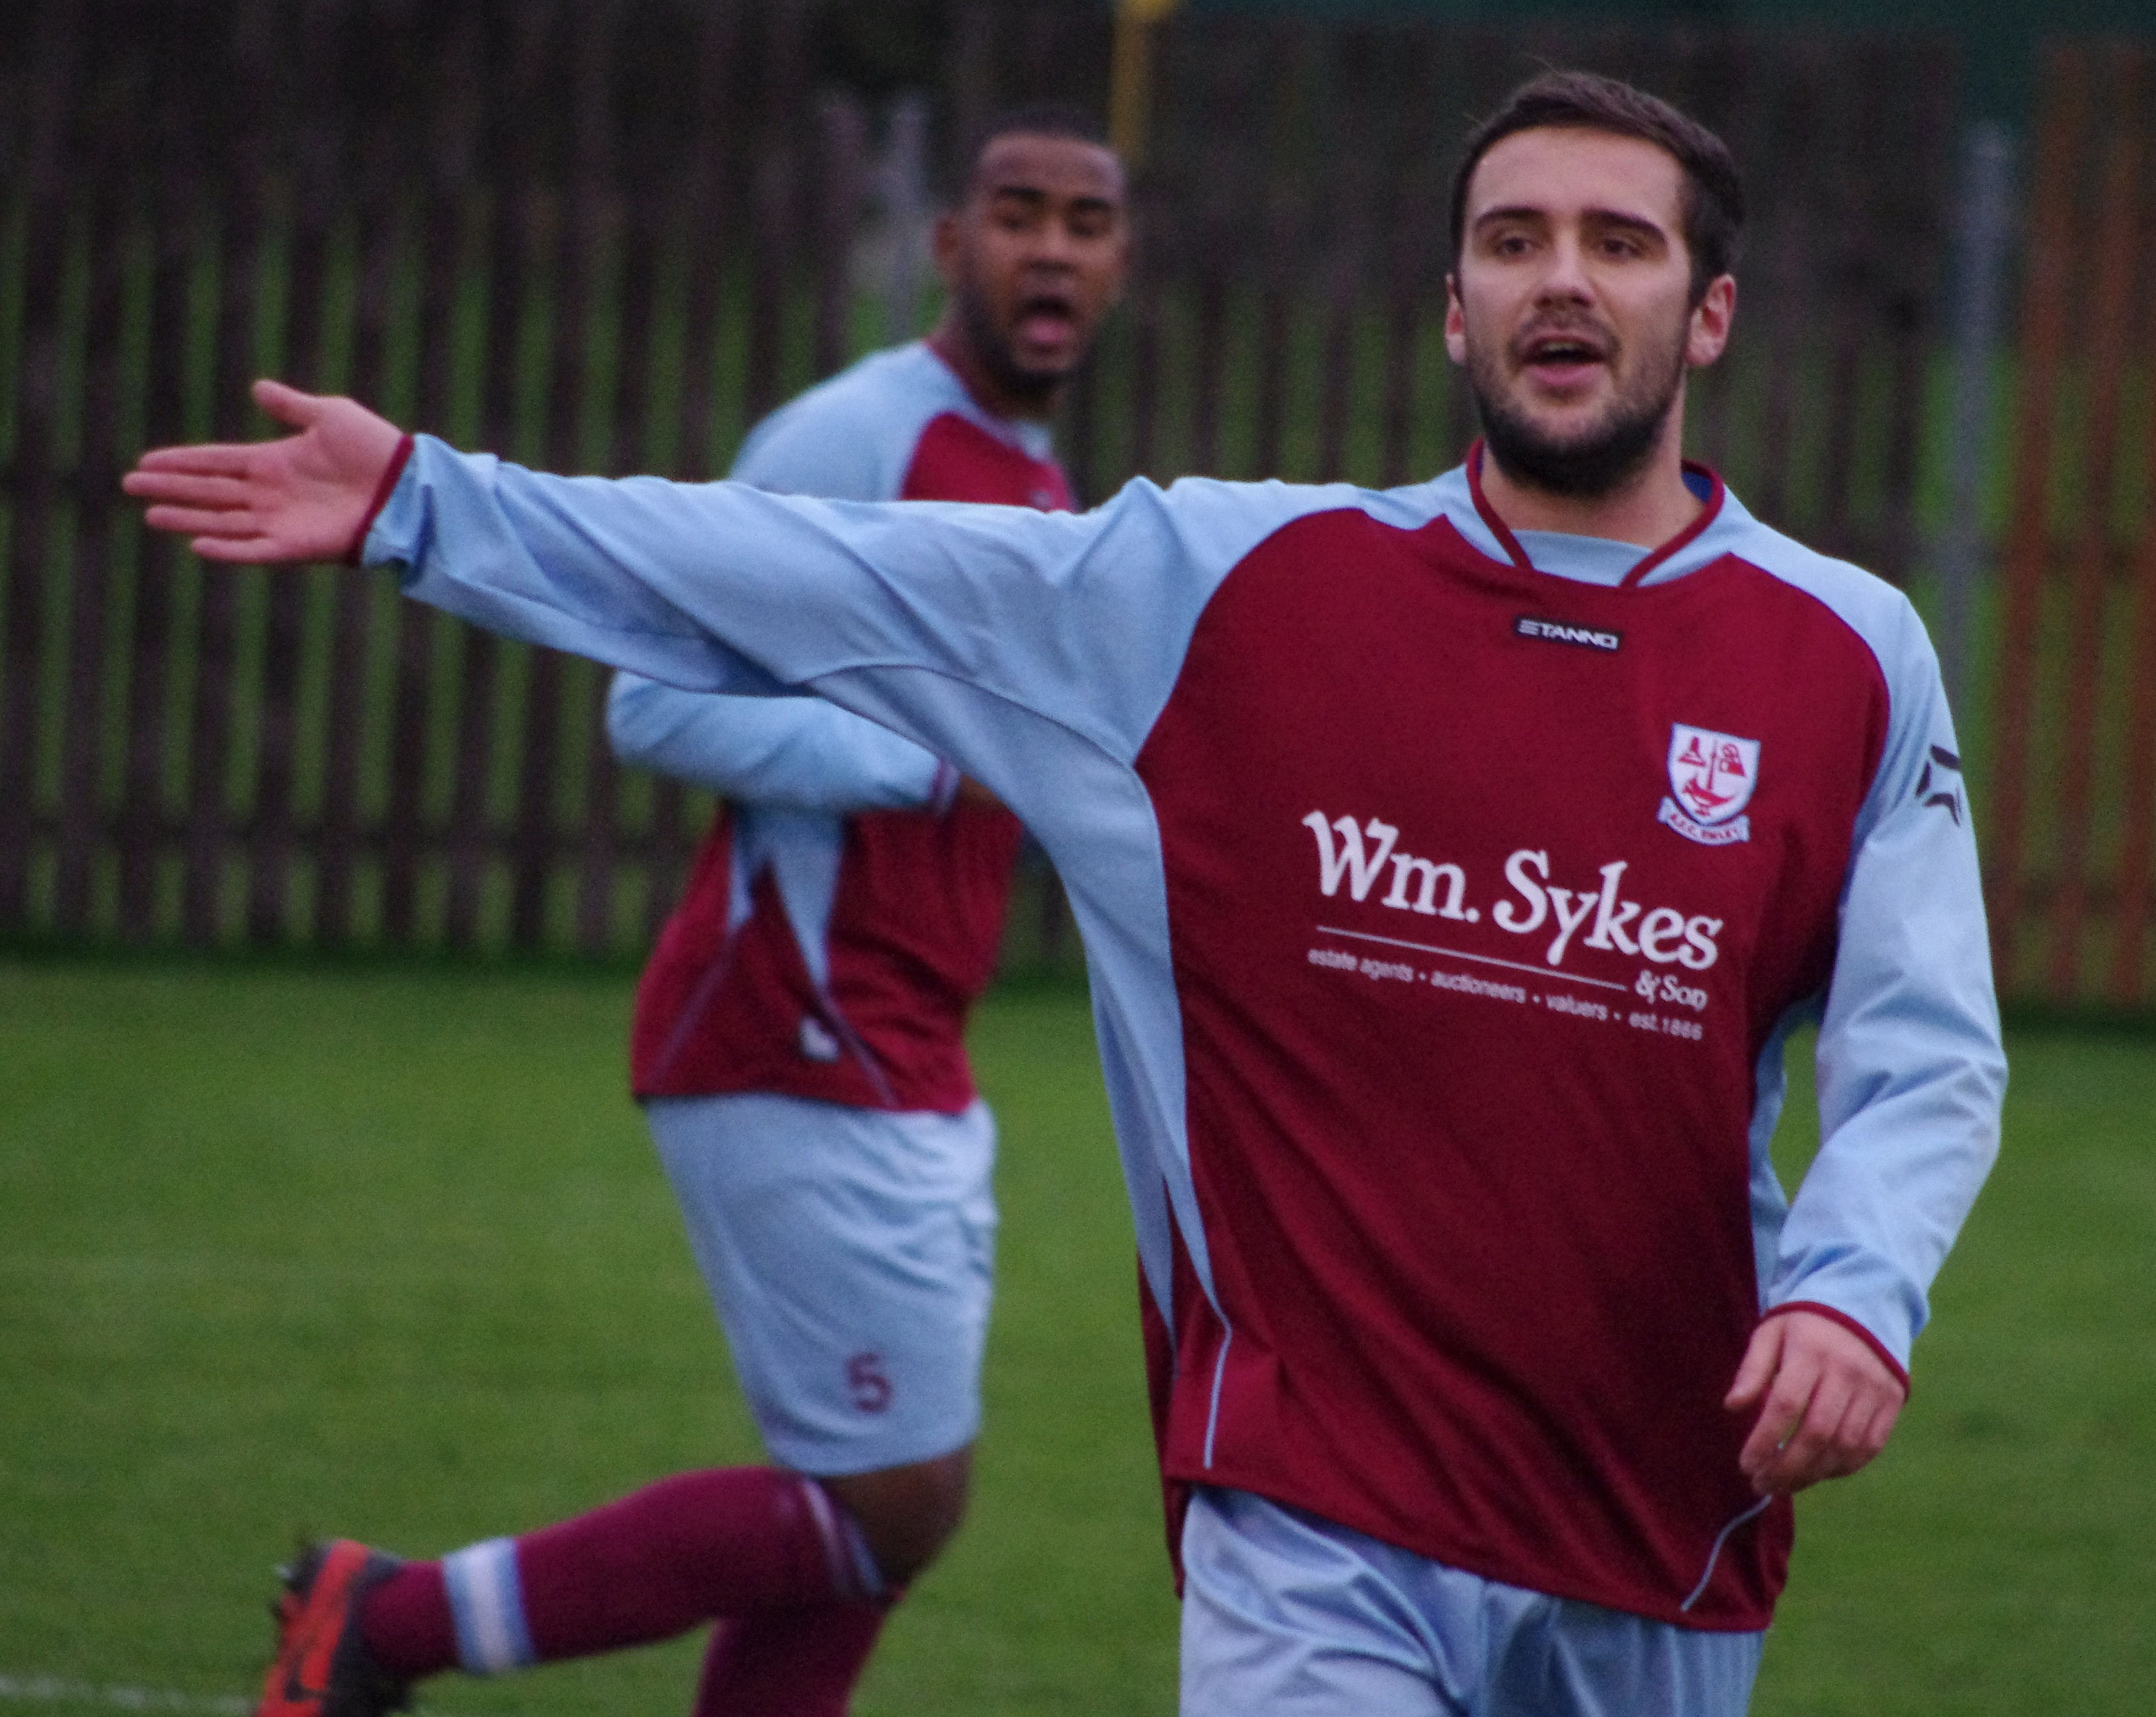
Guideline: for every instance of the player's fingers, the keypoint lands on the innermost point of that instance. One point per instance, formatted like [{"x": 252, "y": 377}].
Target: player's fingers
[
  {"x": 1816, "y": 1448},
  {"x": 202, "y": 521},
  {"x": 253, "y": 550},
  {"x": 186, "y": 488},
  {"x": 1871, "y": 1422},
  {"x": 205, "y": 458},
  {"x": 1763, "y": 1356},
  {"x": 288, "y": 405},
  {"x": 1780, "y": 1415}
]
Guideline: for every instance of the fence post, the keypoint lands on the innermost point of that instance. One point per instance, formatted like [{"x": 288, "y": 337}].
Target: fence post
[
  {"x": 2045, "y": 304},
  {"x": 31, "y": 494},
  {"x": 901, "y": 178},
  {"x": 1982, "y": 231},
  {"x": 2107, "y": 313},
  {"x": 82, "y": 736}
]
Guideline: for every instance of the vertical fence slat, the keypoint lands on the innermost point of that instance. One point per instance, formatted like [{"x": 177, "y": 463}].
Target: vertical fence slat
[
  {"x": 843, "y": 136},
  {"x": 1913, "y": 322},
  {"x": 1337, "y": 365},
  {"x": 702, "y": 220},
  {"x": 2118, "y": 222},
  {"x": 629, "y": 423},
  {"x": 312, "y": 118},
  {"x": 2126, "y": 983},
  {"x": 513, "y": 260},
  {"x": 30, "y": 490},
  {"x": 581, "y": 244},
  {"x": 1275, "y": 349},
  {"x": 595, "y": 873},
  {"x": 2026, "y": 560},
  {"x": 140, "y": 822},
  {"x": 83, "y": 731},
  {"x": 448, "y": 176},
  {"x": 774, "y": 205},
  {"x": 352, "y": 588},
  {"x": 243, "y": 224}
]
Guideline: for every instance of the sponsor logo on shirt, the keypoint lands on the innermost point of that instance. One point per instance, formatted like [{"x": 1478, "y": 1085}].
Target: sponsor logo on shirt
[
  {"x": 1360, "y": 855},
  {"x": 1562, "y": 632},
  {"x": 1712, "y": 776}
]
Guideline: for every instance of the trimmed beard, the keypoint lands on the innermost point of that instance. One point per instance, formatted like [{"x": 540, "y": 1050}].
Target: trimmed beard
[
  {"x": 1600, "y": 461},
  {"x": 993, "y": 349}
]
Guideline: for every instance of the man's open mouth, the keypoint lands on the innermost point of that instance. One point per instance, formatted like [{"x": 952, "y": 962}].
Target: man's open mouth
[
  {"x": 1564, "y": 354},
  {"x": 1045, "y": 320}
]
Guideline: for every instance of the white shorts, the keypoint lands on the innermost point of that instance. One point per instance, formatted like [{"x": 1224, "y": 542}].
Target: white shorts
[
  {"x": 850, "y": 1256},
  {"x": 1293, "y": 1615}
]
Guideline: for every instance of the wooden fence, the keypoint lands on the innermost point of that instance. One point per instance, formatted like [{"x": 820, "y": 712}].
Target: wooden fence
[
  {"x": 2071, "y": 835},
  {"x": 607, "y": 236}
]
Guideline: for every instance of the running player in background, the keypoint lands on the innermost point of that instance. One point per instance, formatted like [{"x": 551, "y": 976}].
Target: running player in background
[
  {"x": 1454, "y": 864},
  {"x": 798, "y": 1051}
]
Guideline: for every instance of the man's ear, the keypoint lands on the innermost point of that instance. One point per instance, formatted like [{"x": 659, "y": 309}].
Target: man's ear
[
  {"x": 945, "y": 240},
  {"x": 1456, "y": 321},
  {"x": 1708, "y": 333}
]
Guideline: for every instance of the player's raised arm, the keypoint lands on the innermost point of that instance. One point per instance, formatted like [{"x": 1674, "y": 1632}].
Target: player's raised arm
[
  {"x": 305, "y": 497},
  {"x": 990, "y": 634}
]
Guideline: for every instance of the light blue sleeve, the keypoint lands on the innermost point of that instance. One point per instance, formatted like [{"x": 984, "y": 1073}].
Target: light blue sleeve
[
  {"x": 805, "y": 448},
  {"x": 1911, "y": 1068},
  {"x": 797, "y": 753},
  {"x": 990, "y": 635}
]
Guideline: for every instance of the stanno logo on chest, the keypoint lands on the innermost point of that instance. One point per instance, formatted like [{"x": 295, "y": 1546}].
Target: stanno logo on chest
[{"x": 1712, "y": 776}]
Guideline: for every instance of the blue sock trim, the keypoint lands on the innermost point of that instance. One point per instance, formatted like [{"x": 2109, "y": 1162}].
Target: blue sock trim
[
  {"x": 855, "y": 1575},
  {"x": 487, "y": 1601}
]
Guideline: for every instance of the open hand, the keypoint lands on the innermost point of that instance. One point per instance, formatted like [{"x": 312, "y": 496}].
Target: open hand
[
  {"x": 305, "y": 497},
  {"x": 1827, "y": 1402}
]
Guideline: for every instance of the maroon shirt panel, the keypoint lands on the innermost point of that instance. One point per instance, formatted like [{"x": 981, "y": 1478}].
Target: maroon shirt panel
[
  {"x": 1408, "y": 1191},
  {"x": 914, "y": 927}
]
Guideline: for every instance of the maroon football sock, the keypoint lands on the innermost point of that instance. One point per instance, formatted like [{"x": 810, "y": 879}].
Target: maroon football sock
[
  {"x": 788, "y": 1662},
  {"x": 737, "y": 1541},
  {"x": 407, "y": 1624}
]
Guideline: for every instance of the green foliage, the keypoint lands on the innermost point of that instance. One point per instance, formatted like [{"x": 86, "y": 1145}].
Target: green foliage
[{"x": 386, "y": 1253}]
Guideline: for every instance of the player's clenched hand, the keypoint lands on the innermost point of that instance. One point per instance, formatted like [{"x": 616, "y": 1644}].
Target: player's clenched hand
[
  {"x": 1826, "y": 1402},
  {"x": 302, "y": 498}
]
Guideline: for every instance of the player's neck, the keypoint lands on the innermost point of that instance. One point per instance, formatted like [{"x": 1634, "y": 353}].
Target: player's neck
[
  {"x": 948, "y": 341},
  {"x": 1646, "y": 511}
]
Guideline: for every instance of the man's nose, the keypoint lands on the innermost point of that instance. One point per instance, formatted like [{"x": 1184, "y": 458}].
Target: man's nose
[
  {"x": 1566, "y": 277},
  {"x": 1054, "y": 245}
]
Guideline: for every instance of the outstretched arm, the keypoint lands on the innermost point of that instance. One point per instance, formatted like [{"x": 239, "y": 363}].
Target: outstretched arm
[
  {"x": 305, "y": 497},
  {"x": 998, "y": 637}
]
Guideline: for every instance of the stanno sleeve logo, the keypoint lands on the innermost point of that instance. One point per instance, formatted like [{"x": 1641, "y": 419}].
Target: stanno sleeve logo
[
  {"x": 1562, "y": 632},
  {"x": 1712, "y": 776}
]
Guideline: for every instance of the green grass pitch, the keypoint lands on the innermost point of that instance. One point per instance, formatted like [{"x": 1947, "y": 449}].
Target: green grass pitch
[{"x": 386, "y": 1253}]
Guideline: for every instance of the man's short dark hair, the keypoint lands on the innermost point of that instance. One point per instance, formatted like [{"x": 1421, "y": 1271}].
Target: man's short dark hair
[
  {"x": 1711, "y": 198},
  {"x": 1035, "y": 119}
]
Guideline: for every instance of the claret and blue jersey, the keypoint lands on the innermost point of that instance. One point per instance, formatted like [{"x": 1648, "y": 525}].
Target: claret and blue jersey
[
  {"x": 843, "y": 913},
  {"x": 1449, "y": 897}
]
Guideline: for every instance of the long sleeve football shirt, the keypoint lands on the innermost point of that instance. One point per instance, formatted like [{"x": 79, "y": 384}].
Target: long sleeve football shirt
[{"x": 1449, "y": 897}]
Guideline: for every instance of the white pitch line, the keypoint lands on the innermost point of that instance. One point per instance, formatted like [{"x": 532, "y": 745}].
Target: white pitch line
[{"x": 51, "y": 1690}]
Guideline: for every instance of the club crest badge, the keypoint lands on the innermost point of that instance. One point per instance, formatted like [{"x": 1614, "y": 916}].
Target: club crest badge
[{"x": 1712, "y": 776}]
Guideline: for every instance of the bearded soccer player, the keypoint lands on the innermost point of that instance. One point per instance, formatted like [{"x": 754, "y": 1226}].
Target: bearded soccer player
[
  {"x": 1454, "y": 863},
  {"x": 798, "y": 1048}
]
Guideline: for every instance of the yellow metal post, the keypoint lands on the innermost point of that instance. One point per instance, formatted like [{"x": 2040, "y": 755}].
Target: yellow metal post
[{"x": 1130, "y": 87}]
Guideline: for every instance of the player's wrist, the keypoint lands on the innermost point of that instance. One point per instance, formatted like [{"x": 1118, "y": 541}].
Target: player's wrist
[{"x": 392, "y": 474}]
